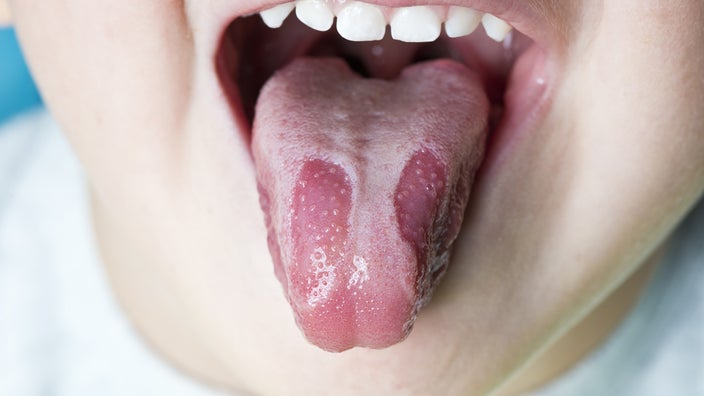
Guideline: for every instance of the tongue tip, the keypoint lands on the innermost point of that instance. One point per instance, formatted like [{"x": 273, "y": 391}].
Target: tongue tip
[
  {"x": 380, "y": 329},
  {"x": 335, "y": 345},
  {"x": 341, "y": 344}
]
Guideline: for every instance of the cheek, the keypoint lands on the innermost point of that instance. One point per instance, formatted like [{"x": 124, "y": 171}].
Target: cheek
[
  {"x": 114, "y": 74},
  {"x": 621, "y": 159},
  {"x": 624, "y": 150},
  {"x": 641, "y": 112},
  {"x": 583, "y": 200}
]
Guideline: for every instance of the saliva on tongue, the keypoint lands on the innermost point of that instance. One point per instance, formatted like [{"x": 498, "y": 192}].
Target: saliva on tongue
[{"x": 364, "y": 183}]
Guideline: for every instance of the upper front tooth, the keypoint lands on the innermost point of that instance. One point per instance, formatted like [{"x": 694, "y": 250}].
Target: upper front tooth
[
  {"x": 461, "y": 21},
  {"x": 495, "y": 28},
  {"x": 274, "y": 17},
  {"x": 315, "y": 13},
  {"x": 361, "y": 22},
  {"x": 415, "y": 24}
]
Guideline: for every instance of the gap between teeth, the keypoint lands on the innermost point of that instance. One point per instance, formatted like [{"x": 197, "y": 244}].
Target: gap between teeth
[{"x": 359, "y": 21}]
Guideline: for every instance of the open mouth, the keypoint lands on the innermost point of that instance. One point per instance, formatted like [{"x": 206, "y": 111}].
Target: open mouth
[{"x": 367, "y": 125}]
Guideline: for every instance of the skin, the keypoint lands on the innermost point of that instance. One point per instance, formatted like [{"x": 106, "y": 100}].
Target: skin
[{"x": 568, "y": 216}]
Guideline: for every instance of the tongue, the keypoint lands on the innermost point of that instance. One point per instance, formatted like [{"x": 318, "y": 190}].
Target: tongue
[{"x": 363, "y": 184}]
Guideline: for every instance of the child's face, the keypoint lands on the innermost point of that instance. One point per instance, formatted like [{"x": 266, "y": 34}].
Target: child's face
[{"x": 571, "y": 199}]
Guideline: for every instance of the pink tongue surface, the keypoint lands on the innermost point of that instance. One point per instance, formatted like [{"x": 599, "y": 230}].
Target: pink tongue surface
[{"x": 363, "y": 184}]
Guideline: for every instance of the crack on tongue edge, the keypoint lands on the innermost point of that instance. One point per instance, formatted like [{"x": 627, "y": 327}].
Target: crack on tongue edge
[
  {"x": 422, "y": 189},
  {"x": 271, "y": 236}
]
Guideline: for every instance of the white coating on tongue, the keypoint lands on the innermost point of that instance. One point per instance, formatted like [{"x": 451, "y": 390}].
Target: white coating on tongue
[{"x": 364, "y": 183}]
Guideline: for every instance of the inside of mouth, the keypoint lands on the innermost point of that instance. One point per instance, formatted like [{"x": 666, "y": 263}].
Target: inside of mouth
[
  {"x": 250, "y": 53},
  {"x": 365, "y": 155}
]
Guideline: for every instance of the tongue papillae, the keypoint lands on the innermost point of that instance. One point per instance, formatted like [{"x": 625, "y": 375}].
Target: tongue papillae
[{"x": 363, "y": 184}]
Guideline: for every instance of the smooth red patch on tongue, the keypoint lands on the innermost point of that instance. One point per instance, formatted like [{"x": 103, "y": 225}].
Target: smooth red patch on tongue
[{"x": 364, "y": 184}]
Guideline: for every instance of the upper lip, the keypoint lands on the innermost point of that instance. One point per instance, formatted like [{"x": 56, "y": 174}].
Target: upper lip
[
  {"x": 522, "y": 15},
  {"x": 531, "y": 17}
]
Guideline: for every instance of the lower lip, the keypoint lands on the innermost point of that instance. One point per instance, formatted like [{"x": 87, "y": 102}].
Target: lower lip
[{"x": 527, "y": 99}]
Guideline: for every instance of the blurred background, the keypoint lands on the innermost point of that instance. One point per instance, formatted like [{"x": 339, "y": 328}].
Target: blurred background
[{"x": 17, "y": 91}]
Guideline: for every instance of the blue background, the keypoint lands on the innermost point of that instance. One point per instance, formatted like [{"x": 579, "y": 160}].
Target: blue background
[{"x": 17, "y": 91}]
